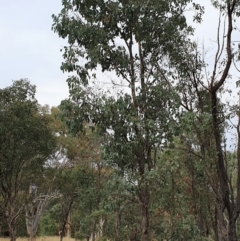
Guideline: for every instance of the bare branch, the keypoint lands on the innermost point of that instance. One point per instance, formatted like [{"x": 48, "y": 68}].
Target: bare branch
[
  {"x": 217, "y": 56},
  {"x": 230, "y": 9}
]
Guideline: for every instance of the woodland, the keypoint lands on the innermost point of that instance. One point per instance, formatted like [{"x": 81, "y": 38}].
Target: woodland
[{"x": 155, "y": 157}]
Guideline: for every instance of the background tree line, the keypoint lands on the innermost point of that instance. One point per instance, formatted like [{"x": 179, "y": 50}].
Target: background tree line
[{"x": 147, "y": 163}]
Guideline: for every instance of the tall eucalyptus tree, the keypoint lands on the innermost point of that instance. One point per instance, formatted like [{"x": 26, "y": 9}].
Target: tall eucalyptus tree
[
  {"x": 135, "y": 40},
  {"x": 201, "y": 86}
]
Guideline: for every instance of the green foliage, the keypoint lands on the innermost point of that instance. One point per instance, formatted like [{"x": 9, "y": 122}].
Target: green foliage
[
  {"x": 49, "y": 225},
  {"x": 140, "y": 41},
  {"x": 94, "y": 28},
  {"x": 146, "y": 44},
  {"x": 26, "y": 143},
  {"x": 26, "y": 140}
]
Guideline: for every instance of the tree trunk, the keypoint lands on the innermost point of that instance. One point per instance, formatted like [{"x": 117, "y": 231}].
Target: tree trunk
[
  {"x": 68, "y": 227},
  {"x": 11, "y": 218},
  {"x": 61, "y": 235},
  {"x": 93, "y": 236},
  {"x": 144, "y": 197},
  {"x": 32, "y": 237},
  {"x": 118, "y": 224},
  {"x": 232, "y": 232},
  {"x": 226, "y": 228},
  {"x": 12, "y": 229},
  {"x": 32, "y": 222},
  {"x": 221, "y": 224},
  {"x": 65, "y": 218},
  {"x": 226, "y": 231}
]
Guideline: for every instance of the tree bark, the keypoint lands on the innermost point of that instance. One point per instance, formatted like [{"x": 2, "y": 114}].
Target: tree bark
[
  {"x": 144, "y": 198},
  {"x": 11, "y": 218},
  {"x": 32, "y": 237},
  {"x": 118, "y": 223},
  {"x": 221, "y": 225},
  {"x": 232, "y": 232},
  {"x": 227, "y": 228},
  {"x": 12, "y": 229}
]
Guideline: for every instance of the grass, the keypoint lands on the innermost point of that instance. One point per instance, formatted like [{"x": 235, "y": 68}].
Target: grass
[{"x": 44, "y": 238}]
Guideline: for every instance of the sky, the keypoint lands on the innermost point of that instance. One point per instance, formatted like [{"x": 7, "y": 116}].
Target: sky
[{"x": 30, "y": 49}]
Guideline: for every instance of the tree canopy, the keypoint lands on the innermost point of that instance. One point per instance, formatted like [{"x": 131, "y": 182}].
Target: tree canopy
[
  {"x": 147, "y": 161},
  {"x": 26, "y": 142}
]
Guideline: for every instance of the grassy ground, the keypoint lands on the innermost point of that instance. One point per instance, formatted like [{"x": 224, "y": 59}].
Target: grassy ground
[{"x": 47, "y": 238}]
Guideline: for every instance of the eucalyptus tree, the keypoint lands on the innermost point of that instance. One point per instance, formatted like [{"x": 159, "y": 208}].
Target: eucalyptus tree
[
  {"x": 135, "y": 40},
  {"x": 26, "y": 142},
  {"x": 202, "y": 87},
  {"x": 79, "y": 175},
  {"x": 37, "y": 202}
]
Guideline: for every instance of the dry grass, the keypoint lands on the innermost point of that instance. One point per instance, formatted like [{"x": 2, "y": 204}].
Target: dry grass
[{"x": 45, "y": 238}]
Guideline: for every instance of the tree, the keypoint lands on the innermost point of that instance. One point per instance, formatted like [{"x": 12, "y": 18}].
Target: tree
[
  {"x": 26, "y": 142},
  {"x": 34, "y": 210},
  {"x": 43, "y": 190},
  {"x": 209, "y": 118},
  {"x": 137, "y": 40},
  {"x": 79, "y": 174}
]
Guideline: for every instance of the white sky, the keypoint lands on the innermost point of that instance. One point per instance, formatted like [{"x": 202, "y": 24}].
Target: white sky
[{"x": 30, "y": 49}]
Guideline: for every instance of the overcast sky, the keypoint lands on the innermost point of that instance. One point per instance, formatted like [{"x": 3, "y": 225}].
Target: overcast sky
[{"x": 30, "y": 49}]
